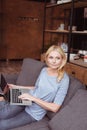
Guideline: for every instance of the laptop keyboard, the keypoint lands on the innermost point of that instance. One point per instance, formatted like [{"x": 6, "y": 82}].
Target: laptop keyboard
[{"x": 15, "y": 94}]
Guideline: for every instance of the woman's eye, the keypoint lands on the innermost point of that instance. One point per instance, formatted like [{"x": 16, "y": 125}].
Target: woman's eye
[
  {"x": 50, "y": 57},
  {"x": 57, "y": 58}
]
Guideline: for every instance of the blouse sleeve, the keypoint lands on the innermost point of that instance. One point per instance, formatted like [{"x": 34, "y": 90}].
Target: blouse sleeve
[{"x": 62, "y": 91}]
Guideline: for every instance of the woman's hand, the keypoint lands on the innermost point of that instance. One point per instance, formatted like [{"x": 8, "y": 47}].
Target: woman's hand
[
  {"x": 12, "y": 86},
  {"x": 18, "y": 86},
  {"x": 46, "y": 105},
  {"x": 26, "y": 96}
]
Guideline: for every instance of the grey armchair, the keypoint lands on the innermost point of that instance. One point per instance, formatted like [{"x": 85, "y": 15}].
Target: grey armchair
[{"x": 72, "y": 115}]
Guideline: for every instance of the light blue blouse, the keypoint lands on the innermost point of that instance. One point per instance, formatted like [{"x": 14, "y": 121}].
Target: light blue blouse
[{"x": 48, "y": 89}]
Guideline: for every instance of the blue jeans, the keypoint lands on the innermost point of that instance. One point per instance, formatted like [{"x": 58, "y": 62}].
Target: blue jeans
[{"x": 12, "y": 116}]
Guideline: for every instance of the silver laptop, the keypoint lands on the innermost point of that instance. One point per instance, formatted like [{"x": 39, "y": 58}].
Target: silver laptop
[{"x": 11, "y": 94}]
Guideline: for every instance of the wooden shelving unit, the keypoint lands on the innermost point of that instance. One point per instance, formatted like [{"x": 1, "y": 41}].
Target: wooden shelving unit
[{"x": 73, "y": 66}]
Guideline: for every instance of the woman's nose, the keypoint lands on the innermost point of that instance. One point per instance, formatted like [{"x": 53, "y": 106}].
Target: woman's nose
[{"x": 54, "y": 60}]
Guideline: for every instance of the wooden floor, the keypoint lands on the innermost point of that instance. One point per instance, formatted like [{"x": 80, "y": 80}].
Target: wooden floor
[{"x": 13, "y": 66}]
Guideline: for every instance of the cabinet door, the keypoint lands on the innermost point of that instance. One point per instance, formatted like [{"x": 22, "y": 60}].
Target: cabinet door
[
  {"x": 77, "y": 71},
  {"x": 85, "y": 78},
  {"x": 23, "y": 28}
]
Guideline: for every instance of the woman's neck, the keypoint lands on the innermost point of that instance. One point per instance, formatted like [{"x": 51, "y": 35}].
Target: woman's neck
[{"x": 52, "y": 72}]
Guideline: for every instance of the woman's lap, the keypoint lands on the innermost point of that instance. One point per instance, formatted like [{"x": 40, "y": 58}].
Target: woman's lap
[
  {"x": 19, "y": 120},
  {"x": 12, "y": 116},
  {"x": 8, "y": 111}
]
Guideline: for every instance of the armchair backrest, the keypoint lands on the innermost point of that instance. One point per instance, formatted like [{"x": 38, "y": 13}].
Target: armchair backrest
[
  {"x": 29, "y": 71},
  {"x": 74, "y": 86}
]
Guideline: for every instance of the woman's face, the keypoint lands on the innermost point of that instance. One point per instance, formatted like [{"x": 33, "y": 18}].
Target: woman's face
[{"x": 54, "y": 60}]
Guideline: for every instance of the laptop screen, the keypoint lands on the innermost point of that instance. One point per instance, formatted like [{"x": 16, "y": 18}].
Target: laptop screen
[{"x": 4, "y": 86}]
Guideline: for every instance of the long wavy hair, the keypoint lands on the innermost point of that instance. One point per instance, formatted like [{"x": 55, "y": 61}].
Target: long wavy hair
[{"x": 60, "y": 69}]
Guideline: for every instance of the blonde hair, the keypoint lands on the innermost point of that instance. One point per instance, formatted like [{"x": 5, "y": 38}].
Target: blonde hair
[{"x": 64, "y": 59}]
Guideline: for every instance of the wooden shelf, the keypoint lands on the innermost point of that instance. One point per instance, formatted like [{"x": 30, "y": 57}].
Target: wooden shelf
[
  {"x": 79, "y": 62},
  {"x": 77, "y": 4},
  {"x": 66, "y": 31},
  {"x": 62, "y": 4},
  {"x": 56, "y": 31},
  {"x": 79, "y": 32}
]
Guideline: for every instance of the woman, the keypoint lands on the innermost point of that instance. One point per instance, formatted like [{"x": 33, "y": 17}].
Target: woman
[{"x": 48, "y": 94}]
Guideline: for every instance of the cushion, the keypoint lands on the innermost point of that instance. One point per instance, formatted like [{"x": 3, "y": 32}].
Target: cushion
[
  {"x": 29, "y": 72},
  {"x": 74, "y": 85},
  {"x": 74, "y": 115},
  {"x": 39, "y": 125}
]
